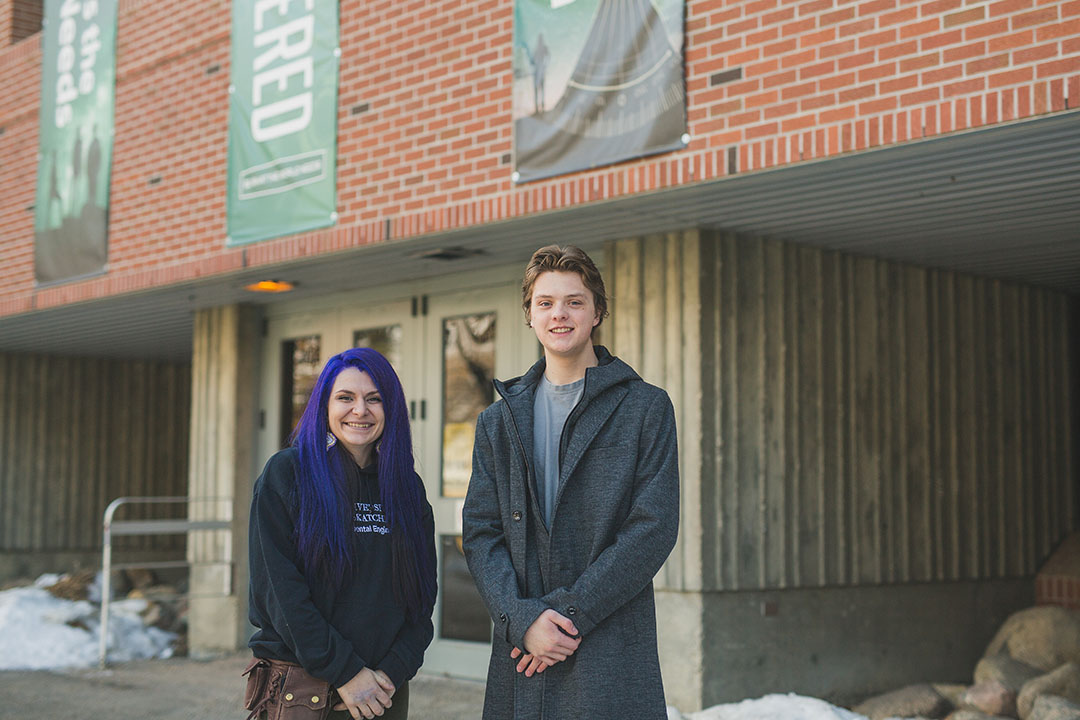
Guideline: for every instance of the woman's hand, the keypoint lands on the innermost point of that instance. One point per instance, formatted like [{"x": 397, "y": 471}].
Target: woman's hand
[{"x": 367, "y": 695}]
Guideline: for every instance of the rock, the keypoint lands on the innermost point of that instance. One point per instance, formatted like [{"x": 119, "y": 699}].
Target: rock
[
  {"x": 969, "y": 714},
  {"x": 1007, "y": 671},
  {"x": 139, "y": 578},
  {"x": 1052, "y": 707},
  {"x": 73, "y": 587},
  {"x": 1064, "y": 682},
  {"x": 914, "y": 700},
  {"x": 990, "y": 697},
  {"x": 952, "y": 693},
  {"x": 1044, "y": 637}
]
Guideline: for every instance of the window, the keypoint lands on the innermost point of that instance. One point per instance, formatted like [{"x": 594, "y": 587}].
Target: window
[{"x": 300, "y": 368}]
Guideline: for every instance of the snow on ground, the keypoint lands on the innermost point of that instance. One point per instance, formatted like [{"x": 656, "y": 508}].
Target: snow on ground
[
  {"x": 39, "y": 631},
  {"x": 771, "y": 707}
]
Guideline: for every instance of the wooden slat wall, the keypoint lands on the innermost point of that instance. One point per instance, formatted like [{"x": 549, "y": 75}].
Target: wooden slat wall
[
  {"x": 655, "y": 290},
  {"x": 878, "y": 423},
  {"x": 76, "y": 433}
]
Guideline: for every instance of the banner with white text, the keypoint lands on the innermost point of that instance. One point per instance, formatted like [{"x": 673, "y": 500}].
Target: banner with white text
[
  {"x": 78, "y": 80},
  {"x": 596, "y": 82},
  {"x": 282, "y": 173}
]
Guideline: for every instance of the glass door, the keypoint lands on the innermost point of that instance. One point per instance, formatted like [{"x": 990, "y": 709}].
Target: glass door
[
  {"x": 395, "y": 330},
  {"x": 471, "y": 337}
]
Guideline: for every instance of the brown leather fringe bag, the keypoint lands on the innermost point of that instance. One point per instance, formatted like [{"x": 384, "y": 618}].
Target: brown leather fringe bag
[{"x": 285, "y": 691}]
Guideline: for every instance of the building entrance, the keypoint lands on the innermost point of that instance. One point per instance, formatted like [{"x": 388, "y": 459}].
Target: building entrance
[{"x": 446, "y": 346}]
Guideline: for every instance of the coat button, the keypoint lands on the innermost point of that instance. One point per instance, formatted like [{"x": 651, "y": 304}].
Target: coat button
[
  {"x": 502, "y": 617},
  {"x": 288, "y": 696},
  {"x": 516, "y": 514},
  {"x": 571, "y": 610},
  {"x": 315, "y": 699}
]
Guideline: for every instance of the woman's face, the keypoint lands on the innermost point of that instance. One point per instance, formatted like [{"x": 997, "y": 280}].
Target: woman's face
[{"x": 355, "y": 414}]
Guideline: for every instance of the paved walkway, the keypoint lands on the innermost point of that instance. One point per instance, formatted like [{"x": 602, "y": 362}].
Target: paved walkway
[{"x": 186, "y": 689}]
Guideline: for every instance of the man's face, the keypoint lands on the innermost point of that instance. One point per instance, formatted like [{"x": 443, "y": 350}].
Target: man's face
[{"x": 563, "y": 313}]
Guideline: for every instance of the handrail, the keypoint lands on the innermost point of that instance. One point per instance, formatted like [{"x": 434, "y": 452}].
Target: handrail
[{"x": 170, "y": 526}]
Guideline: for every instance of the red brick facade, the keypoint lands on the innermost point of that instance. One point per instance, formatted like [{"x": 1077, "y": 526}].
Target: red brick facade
[{"x": 425, "y": 128}]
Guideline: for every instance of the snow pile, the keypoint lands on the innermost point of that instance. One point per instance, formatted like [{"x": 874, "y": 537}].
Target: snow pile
[
  {"x": 39, "y": 631},
  {"x": 771, "y": 707}
]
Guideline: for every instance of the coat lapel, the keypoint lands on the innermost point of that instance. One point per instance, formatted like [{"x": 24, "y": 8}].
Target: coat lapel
[{"x": 584, "y": 429}]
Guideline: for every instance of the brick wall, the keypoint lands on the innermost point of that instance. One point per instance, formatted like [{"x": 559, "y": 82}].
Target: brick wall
[
  {"x": 25, "y": 18},
  {"x": 425, "y": 127}
]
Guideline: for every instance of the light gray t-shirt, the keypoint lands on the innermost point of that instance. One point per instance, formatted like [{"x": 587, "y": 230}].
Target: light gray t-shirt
[{"x": 551, "y": 406}]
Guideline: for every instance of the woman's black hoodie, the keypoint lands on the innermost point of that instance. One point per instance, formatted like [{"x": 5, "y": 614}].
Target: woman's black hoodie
[{"x": 333, "y": 633}]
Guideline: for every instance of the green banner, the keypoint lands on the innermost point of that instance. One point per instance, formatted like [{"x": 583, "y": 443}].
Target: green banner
[
  {"x": 282, "y": 118},
  {"x": 78, "y": 79}
]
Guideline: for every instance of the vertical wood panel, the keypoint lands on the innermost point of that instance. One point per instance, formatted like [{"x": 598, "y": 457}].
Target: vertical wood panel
[
  {"x": 712, "y": 403},
  {"x": 773, "y": 502},
  {"x": 658, "y": 324},
  {"x": 76, "y": 433},
  {"x": 7, "y": 445},
  {"x": 730, "y": 402},
  {"x": 967, "y": 510},
  {"x": 884, "y": 423},
  {"x": 861, "y": 422}
]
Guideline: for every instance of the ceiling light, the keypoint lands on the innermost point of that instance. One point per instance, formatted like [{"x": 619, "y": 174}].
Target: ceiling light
[{"x": 271, "y": 286}]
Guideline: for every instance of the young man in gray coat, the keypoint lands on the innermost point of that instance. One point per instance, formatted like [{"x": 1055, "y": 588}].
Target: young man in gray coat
[{"x": 572, "y": 508}]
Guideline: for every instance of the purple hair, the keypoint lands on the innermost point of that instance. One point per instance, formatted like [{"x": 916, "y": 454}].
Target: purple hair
[{"x": 324, "y": 545}]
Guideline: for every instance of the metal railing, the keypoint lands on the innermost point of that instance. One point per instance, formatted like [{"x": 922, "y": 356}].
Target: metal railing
[{"x": 161, "y": 526}]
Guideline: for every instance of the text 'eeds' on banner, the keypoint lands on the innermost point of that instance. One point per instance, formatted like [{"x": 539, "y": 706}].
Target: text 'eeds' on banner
[{"x": 78, "y": 88}]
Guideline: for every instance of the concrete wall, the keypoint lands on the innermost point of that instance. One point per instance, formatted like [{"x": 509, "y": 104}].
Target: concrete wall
[
  {"x": 844, "y": 644},
  {"x": 76, "y": 433}
]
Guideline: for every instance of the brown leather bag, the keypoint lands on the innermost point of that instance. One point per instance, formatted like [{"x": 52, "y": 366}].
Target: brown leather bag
[{"x": 285, "y": 691}]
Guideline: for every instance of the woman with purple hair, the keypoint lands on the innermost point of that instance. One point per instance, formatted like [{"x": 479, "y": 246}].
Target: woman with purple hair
[{"x": 342, "y": 554}]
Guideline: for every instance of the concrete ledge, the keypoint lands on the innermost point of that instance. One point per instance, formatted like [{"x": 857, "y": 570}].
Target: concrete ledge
[
  {"x": 844, "y": 644},
  {"x": 680, "y": 638},
  {"x": 214, "y": 626}
]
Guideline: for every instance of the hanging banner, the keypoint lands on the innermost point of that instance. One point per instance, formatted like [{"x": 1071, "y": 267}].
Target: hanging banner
[
  {"x": 282, "y": 118},
  {"x": 78, "y": 79},
  {"x": 596, "y": 82}
]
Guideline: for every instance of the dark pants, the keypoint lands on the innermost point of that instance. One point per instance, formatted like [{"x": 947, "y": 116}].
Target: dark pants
[{"x": 398, "y": 711}]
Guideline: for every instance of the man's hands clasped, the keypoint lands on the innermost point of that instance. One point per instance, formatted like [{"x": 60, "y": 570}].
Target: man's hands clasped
[{"x": 550, "y": 639}]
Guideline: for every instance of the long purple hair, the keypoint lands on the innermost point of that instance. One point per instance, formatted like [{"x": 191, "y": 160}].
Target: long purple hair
[{"x": 325, "y": 547}]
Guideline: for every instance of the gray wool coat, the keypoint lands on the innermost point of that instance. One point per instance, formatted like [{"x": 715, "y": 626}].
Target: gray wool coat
[{"x": 615, "y": 521}]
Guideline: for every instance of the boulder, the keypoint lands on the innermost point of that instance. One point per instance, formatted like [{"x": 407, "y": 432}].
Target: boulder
[
  {"x": 969, "y": 714},
  {"x": 952, "y": 693},
  {"x": 1005, "y": 670},
  {"x": 912, "y": 701},
  {"x": 1064, "y": 682},
  {"x": 139, "y": 578},
  {"x": 990, "y": 697},
  {"x": 1044, "y": 637},
  {"x": 1052, "y": 707}
]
